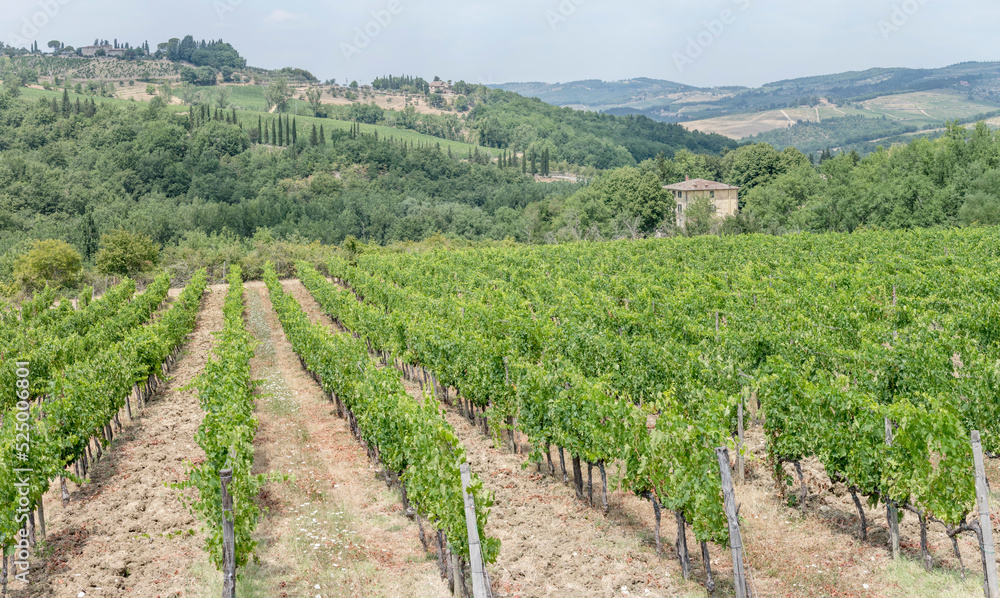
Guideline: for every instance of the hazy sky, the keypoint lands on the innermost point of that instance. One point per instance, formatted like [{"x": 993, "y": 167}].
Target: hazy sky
[{"x": 714, "y": 42}]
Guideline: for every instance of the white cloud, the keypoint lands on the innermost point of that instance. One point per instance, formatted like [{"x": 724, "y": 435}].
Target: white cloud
[{"x": 281, "y": 15}]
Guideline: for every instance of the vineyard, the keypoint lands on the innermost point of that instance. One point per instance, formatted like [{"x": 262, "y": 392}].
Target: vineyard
[
  {"x": 874, "y": 353},
  {"x": 616, "y": 377}
]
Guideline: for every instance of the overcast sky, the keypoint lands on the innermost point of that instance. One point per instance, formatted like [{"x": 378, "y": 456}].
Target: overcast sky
[{"x": 698, "y": 42}]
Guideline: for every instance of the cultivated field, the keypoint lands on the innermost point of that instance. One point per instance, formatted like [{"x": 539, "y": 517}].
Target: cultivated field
[{"x": 919, "y": 109}]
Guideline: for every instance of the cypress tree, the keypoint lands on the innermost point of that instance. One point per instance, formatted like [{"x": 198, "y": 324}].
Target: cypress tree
[
  {"x": 524, "y": 162},
  {"x": 259, "y": 129},
  {"x": 295, "y": 131},
  {"x": 65, "y": 103},
  {"x": 76, "y": 108},
  {"x": 322, "y": 135},
  {"x": 234, "y": 116},
  {"x": 90, "y": 236},
  {"x": 313, "y": 138},
  {"x": 281, "y": 133}
]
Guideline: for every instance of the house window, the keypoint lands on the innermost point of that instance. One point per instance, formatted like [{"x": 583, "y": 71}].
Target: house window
[{"x": 711, "y": 194}]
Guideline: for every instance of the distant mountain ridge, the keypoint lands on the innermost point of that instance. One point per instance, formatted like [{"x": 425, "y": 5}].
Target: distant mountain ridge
[
  {"x": 655, "y": 96},
  {"x": 853, "y": 108},
  {"x": 594, "y": 93}
]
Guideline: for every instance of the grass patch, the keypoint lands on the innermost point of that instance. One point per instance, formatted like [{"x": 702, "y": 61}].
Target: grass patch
[{"x": 910, "y": 580}]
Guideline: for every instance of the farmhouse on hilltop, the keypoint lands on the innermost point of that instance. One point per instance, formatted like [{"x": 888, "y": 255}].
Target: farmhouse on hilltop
[
  {"x": 725, "y": 198},
  {"x": 440, "y": 87},
  {"x": 91, "y": 51}
]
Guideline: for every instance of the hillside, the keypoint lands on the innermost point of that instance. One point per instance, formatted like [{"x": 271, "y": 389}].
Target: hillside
[
  {"x": 599, "y": 95},
  {"x": 897, "y": 100}
]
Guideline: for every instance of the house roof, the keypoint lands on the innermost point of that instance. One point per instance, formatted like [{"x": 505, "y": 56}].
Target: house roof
[{"x": 699, "y": 185}]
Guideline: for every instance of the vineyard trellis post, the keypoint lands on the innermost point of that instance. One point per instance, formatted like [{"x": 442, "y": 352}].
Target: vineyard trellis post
[
  {"x": 985, "y": 522},
  {"x": 735, "y": 541},
  {"x": 480, "y": 584},
  {"x": 228, "y": 537},
  {"x": 740, "y": 465},
  {"x": 891, "y": 511}
]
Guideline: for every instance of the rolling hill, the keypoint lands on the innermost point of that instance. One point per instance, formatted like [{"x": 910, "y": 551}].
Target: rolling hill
[{"x": 896, "y": 100}]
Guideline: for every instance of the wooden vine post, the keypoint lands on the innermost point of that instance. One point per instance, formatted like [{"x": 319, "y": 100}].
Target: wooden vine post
[
  {"x": 228, "y": 537},
  {"x": 891, "y": 511},
  {"x": 740, "y": 465},
  {"x": 735, "y": 542},
  {"x": 983, "y": 499},
  {"x": 480, "y": 584}
]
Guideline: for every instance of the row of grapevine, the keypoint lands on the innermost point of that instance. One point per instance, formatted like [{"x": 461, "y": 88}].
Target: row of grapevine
[
  {"x": 553, "y": 402},
  {"x": 78, "y": 335},
  {"x": 226, "y": 434},
  {"x": 416, "y": 446},
  {"x": 80, "y": 402},
  {"x": 836, "y": 336}
]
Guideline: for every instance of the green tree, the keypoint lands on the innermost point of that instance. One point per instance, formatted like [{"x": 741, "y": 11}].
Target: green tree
[
  {"x": 48, "y": 263},
  {"x": 315, "y": 95},
  {"x": 167, "y": 91},
  {"x": 277, "y": 94},
  {"x": 125, "y": 253},
  {"x": 436, "y": 100},
  {"x": 980, "y": 209},
  {"x": 188, "y": 94},
  {"x": 700, "y": 218},
  {"x": 222, "y": 97},
  {"x": 636, "y": 193},
  {"x": 90, "y": 238}
]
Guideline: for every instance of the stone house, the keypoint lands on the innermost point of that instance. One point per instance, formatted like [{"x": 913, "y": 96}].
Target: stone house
[
  {"x": 439, "y": 87},
  {"x": 725, "y": 199},
  {"x": 91, "y": 51}
]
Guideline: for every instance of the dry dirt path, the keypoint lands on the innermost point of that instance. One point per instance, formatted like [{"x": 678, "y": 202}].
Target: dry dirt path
[
  {"x": 126, "y": 533},
  {"x": 332, "y": 529}
]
